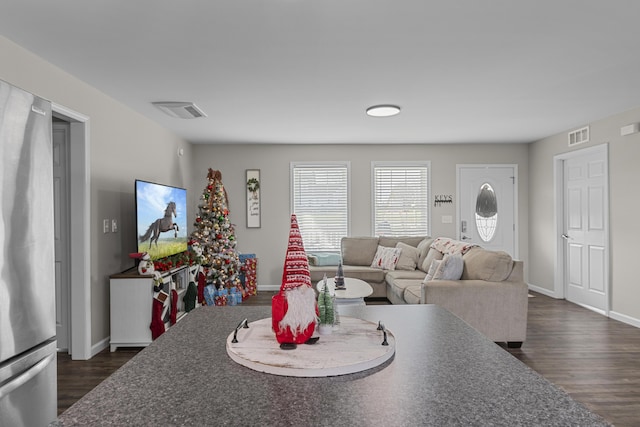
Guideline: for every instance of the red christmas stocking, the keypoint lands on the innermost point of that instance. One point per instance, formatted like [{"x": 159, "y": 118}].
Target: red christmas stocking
[
  {"x": 174, "y": 307},
  {"x": 202, "y": 282},
  {"x": 157, "y": 325}
]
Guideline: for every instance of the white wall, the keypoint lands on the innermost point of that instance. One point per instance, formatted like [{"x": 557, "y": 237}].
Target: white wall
[
  {"x": 269, "y": 242},
  {"x": 624, "y": 170},
  {"x": 124, "y": 145}
]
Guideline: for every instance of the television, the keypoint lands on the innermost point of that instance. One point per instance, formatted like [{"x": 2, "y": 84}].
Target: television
[{"x": 161, "y": 219}]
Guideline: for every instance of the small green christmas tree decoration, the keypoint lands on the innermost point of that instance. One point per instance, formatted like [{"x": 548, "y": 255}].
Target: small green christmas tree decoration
[
  {"x": 325, "y": 305},
  {"x": 215, "y": 235}
]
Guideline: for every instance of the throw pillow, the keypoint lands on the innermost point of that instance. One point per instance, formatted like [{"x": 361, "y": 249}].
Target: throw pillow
[
  {"x": 450, "y": 268},
  {"x": 432, "y": 270},
  {"x": 325, "y": 259},
  {"x": 432, "y": 255},
  {"x": 423, "y": 250},
  {"x": 386, "y": 258},
  {"x": 408, "y": 257}
]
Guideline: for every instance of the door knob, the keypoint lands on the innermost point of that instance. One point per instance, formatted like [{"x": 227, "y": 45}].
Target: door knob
[
  {"x": 565, "y": 237},
  {"x": 466, "y": 238}
]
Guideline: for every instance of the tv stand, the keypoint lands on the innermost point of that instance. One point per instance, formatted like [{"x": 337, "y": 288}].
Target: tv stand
[{"x": 131, "y": 304}]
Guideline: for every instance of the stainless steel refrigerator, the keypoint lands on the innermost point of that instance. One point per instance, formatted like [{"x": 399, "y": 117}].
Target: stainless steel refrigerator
[{"x": 28, "y": 386}]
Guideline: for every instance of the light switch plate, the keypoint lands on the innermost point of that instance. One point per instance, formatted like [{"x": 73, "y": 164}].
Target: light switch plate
[
  {"x": 114, "y": 225},
  {"x": 105, "y": 226}
]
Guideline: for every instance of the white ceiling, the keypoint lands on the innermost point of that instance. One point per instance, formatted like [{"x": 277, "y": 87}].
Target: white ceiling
[{"x": 304, "y": 71}]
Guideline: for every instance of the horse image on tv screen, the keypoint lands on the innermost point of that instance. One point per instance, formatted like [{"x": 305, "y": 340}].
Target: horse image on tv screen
[{"x": 161, "y": 219}]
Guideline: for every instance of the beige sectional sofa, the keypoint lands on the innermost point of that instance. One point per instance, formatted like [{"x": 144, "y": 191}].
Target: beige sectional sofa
[{"x": 491, "y": 295}]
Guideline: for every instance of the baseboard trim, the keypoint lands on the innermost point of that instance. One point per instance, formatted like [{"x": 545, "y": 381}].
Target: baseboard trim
[
  {"x": 99, "y": 346},
  {"x": 268, "y": 288},
  {"x": 543, "y": 291},
  {"x": 625, "y": 319}
]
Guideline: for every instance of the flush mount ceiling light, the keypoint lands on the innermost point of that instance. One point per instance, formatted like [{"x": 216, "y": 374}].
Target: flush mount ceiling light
[
  {"x": 180, "y": 110},
  {"x": 386, "y": 110}
]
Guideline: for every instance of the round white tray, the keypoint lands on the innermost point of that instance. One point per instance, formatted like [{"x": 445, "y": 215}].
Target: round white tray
[{"x": 354, "y": 346}]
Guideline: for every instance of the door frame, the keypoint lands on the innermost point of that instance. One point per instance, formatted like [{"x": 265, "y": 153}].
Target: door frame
[
  {"x": 559, "y": 282},
  {"x": 80, "y": 233},
  {"x": 516, "y": 232}
]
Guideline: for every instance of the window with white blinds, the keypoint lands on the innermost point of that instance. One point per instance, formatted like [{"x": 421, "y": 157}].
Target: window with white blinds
[
  {"x": 400, "y": 198},
  {"x": 320, "y": 200}
]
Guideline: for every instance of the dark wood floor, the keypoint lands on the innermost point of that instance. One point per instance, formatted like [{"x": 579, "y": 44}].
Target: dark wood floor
[{"x": 594, "y": 359}]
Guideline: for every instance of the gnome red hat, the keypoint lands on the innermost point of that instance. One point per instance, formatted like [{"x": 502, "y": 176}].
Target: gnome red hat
[{"x": 294, "y": 308}]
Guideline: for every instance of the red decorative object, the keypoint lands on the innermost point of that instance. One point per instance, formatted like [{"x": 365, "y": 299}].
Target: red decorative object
[
  {"x": 157, "y": 325},
  {"x": 174, "y": 307},
  {"x": 297, "y": 325}
]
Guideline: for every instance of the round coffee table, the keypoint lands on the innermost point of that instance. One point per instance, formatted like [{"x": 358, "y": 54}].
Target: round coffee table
[{"x": 354, "y": 294}]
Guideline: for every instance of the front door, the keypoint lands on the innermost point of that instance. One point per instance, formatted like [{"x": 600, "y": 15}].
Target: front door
[
  {"x": 585, "y": 224},
  {"x": 487, "y": 206}
]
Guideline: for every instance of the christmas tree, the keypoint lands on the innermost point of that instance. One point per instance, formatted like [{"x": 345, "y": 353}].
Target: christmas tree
[
  {"x": 216, "y": 236},
  {"x": 325, "y": 305}
]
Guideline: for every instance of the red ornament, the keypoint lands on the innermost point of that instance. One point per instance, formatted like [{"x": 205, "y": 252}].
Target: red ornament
[{"x": 198, "y": 219}]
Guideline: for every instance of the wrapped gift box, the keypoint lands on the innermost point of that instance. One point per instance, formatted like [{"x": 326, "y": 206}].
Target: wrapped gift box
[{"x": 248, "y": 277}]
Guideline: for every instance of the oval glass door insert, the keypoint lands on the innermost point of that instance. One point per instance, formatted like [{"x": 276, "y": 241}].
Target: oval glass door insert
[{"x": 486, "y": 212}]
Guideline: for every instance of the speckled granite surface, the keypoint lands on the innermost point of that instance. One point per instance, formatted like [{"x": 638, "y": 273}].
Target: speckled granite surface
[{"x": 443, "y": 374}]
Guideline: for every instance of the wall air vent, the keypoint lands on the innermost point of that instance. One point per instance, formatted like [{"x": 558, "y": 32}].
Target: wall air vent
[
  {"x": 180, "y": 110},
  {"x": 579, "y": 136}
]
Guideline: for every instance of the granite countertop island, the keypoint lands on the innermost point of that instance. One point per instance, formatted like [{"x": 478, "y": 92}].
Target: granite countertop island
[{"x": 443, "y": 373}]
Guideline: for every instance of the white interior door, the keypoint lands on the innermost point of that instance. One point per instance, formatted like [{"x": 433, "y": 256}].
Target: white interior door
[
  {"x": 476, "y": 225},
  {"x": 61, "y": 140},
  {"x": 586, "y": 224}
]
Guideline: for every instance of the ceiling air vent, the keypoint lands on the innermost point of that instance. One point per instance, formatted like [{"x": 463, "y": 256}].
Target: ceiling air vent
[
  {"x": 180, "y": 110},
  {"x": 579, "y": 136}
]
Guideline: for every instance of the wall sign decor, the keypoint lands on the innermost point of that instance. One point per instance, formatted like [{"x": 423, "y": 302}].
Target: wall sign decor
[
  {"x": 442, "y": 199},
  {"x": 253, "y": 198}
]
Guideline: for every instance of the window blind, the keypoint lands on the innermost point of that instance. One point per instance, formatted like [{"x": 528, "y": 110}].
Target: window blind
[
  {"x": 400, "y": 199},
  {"x": 320, "y": 201}
]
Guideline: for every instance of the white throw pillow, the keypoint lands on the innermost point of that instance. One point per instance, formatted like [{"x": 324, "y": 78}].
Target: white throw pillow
[
  {"x": 450, "y": 268},
  {"x": 432, "y": 270},
  {"x": 386, "y": 258},
  {"x": 408, "y": 257}
]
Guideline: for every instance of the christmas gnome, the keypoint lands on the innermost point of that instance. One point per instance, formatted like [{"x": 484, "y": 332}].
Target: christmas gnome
[{"x": 294, "y": 311}]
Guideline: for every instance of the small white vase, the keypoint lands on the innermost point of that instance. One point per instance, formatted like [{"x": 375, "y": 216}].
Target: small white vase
[{"x": 324, "y": 329}]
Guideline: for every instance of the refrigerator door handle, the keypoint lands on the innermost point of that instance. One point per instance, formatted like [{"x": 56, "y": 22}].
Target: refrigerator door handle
[{"x": 25, "y": 376}]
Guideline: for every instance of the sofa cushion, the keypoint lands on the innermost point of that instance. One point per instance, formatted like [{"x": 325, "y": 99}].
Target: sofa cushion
[
  {"x": 412, "y": 294},
  {"x": 386, "y": 258},
  {"x": 432, "y": 255},
  {"x": 397, "y": 288},
  {"x": 408, "y": 257},
  {"x": 368, "y": 274},
  {"x": 482, "y": 264},
  {"x": 404, "y": 274},
  {"x": 358, "y": 250},
  {"x": 391, "y": 242}
]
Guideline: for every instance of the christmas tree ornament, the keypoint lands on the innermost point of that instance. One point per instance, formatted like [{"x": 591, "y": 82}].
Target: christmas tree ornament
[{"x": 294, "y": 309}]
